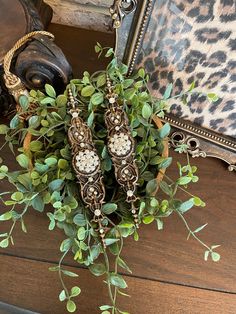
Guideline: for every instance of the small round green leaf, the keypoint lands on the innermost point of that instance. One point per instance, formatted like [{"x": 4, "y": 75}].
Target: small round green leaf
[
  {"x": 141, "y": 73},
  {"x": 34, "y": 122},
  {"x": 81, "y": 234},
  {"x": 154, "y": 202},
  {"x": 184, "y": 180},
  {"x": 147, "y": 111},
  {"x": 63, "y": 164},
  {"x": 129, "y": 93},
  {"x": 165, "y": 163},
  {"x": 6, "y": 216},
  {"x": 118, "y": 281},
  {"x": 186, "y": 205},
  {"x": 24, "y": 102},
  {"x": 164, "y": 131},
  {"x": 3, "y": 129},
  {"x": 4, "y": 169},
  {"x": 50, "y": 91},
  {"x": 61, "y": 100},
  {"x": 151, "y": 186},
  {"x": 97, "y": 269},
  {"x": 109, "y": 208},
  {"x": 71, "y": 306},
  {"x": 97, "y": 99},
  {"x": 15, "y": 121},
  {"x": 87, "y": 91},
  {"x": 148, "y": 219},
  {"x": 51, "y": 161},
  {"x": 101, "y": 81},
  {"x": 56, "y": 185},
  {"x": 4, "y": 243},
  {"x": 79, "y": 220},
  {"x": 17, "y": 196},
  {"x": 62, "y": 296},
  {"x": 90, "y": 119},
  {"x": 23, "y": 160},
  {"x": 36, "y": 146},
  {"x": 75, "y": 291},
  {"x": 215, "y": 256},
  {"x": 65, "y": 245}
]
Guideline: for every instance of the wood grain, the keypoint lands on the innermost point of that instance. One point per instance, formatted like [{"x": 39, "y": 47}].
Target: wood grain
[
  {"x": 39, "y": 291},
  {"x": 167, "y": 255}
]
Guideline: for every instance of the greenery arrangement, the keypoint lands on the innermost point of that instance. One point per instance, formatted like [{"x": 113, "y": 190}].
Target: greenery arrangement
[{"x": 37, "y": 133}]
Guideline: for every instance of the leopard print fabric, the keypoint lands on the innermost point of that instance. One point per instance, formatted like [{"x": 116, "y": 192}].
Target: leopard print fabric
[{"x": 194, "y": 40}]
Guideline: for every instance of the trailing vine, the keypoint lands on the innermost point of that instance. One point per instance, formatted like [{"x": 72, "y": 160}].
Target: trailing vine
[{"x": 37, "y": 135}]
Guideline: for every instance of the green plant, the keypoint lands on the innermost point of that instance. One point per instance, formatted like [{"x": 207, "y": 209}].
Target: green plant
[{"x": 45, "y": 175}]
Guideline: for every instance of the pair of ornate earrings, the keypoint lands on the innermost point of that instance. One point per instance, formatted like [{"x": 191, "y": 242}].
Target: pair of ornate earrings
[{"x": 86, "y": 162}]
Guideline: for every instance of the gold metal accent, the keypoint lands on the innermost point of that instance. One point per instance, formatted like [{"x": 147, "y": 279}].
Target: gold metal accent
[
  {"x": 215, "y": 138},
  {"x": 119, "y": 9},
  {"x": 13, "y": 82},
  {"x": 14, "y": 86},
  {"x": 200, "y": 147},
  {"x": 138, "y": 34}
]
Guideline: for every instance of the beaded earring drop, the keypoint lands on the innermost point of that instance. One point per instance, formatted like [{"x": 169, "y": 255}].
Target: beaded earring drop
[
  {"x": 121, "y": 147},
  {"x": 86, "y": 164}
]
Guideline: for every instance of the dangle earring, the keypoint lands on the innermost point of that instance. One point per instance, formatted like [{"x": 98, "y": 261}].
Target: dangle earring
[
  {"x": 121, "y": 147},
  {"x": 86, "y": 164}
]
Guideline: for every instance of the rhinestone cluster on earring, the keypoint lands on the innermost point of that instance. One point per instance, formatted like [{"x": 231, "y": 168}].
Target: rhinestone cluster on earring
[
  {"x": 87, "y": 161},
  {"x": 86, "y": 164},
  {"x": 121, "y": 147},
  {"x": 120, "y": 144}
]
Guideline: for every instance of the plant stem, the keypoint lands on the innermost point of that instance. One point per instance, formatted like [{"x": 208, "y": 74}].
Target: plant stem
[
  {"x": 107, "y": 263},
  {"x": 60, "y": 274},
  {"x": 50, "y": 129},
  {"x": 113, "y": 296},
  {"x": 191, "y": 232},
  {"x": 179, "y": 187},
  {"x": 12, "y": 228}
]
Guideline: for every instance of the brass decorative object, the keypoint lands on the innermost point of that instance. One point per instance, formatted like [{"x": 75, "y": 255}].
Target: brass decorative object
[
  {"x": 121, "y": 147},
  {"x": 86, "y": 164},
  {"x": 119, "y": 9},
  {"x": 199, "y": 147}
]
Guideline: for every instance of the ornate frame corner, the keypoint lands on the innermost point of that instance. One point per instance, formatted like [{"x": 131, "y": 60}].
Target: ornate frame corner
[{"x": 202, "y": 142}]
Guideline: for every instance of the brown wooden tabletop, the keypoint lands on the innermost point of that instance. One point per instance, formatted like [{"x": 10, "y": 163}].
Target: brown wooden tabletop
[{"x": 169, "y": 272}]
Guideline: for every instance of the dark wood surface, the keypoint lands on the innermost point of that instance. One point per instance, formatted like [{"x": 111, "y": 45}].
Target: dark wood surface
[
  {"x": 169, "y": 273},
  {"x": 13, "y": 24},
  {"x": 31, "y": 286}
]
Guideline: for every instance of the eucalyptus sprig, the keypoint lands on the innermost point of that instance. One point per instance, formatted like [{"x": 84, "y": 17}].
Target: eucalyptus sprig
[{"x": 37, "y": 135}]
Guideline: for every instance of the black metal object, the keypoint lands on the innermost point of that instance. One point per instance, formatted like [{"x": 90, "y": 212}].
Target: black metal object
[{"x": 41, "y": 62}]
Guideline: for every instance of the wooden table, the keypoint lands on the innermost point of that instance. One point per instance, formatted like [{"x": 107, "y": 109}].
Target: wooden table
[{"x": 169, "y": 273}]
